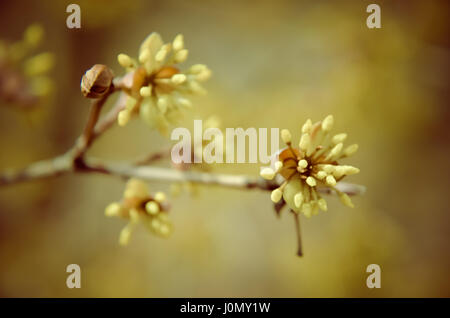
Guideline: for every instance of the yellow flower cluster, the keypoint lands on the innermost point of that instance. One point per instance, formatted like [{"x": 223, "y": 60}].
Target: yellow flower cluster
[
  {"x": 23, "y": 79},
  {"x": 313, "y": 164},
  {"x": 156, "y": 86},
  {"x": 138, "y": 206}
]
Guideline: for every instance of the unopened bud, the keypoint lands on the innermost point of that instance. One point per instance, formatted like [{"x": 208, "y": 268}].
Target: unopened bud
[{"x": 97, "y": 81}]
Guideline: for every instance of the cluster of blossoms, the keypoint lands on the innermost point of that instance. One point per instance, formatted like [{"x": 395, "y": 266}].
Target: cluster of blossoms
[
  {"x": 23, "y": 79},
  {"x": 156, "y": 87},
  {"x": 314, "y": 163},
  {"x": 138, "y": 206}
]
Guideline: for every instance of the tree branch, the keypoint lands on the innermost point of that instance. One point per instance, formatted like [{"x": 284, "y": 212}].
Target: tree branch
[
  {"x": 152, "y": 157},
  {"x": 63, "y": 164},
  {"x": 38, "y": 170},
  {"x": 74, "y": 161},
  {"x": 110, "y": 118}
]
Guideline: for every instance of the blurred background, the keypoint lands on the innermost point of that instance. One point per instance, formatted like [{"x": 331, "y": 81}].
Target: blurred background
[{"x": 274, "y": 64}]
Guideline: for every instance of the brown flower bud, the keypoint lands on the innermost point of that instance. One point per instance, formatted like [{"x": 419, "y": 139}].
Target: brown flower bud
[
  {"x": 97, "y": 81},
  {"x": 167, "y": 72},
  {"x": 138, "y": 79}
]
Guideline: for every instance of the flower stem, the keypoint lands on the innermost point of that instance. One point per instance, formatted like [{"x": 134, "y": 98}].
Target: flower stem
[{"x": 298, "y": 233}]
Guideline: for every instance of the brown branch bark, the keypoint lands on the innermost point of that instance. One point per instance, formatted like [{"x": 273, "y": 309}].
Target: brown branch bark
[{"x": 63, "y": 164}]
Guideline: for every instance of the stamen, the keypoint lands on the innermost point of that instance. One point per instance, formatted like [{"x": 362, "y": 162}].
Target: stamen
[
  {"x": 303, "y": 164},
  {"x": 306, "y": 209},
  {"x": 327, "y": 123},
  {"x": 321, "y": 175},
  {"x": 286, "y": 136},
  {"x": 267, "y": 173},
  {"x": 331, "y": 180},
  {"x": 307, "y": 126},
  {"x": 178, "y": 79},
  {"x": 125, "y": 234},
  {"x": 322, "y": 203},
  {"x": 152, "y": 208},
  {"x": 124, "y": 60},
  {"x": 178, "y": 42},
  {"x": 305, "y": 141},
  {"x": 350, "y": 150},
  {"x": 146, "y": 91},
  {"x": 278, "y": 165},
  {"x": 345, "y": 199},
  {"x": 276, "y": 195},
  {"x": 113, "y": 209},
  {"x": 334, "y": 152},
  {"x": 339, "y": 138},
  {"x": 311, "y": 181},
  {"x": 160, "y": 197}
]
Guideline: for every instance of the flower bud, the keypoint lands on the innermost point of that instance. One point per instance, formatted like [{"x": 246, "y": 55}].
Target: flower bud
[
  {"x": 276, "y": 195},
  {"x": 97, "y": 81},
  {"x": 152, "y": 208},
  {"x": 331, "y": 180},
  {"x": 322, "y": 204},
  {"x": 178, "y": 42},
  {"x": 345, "y": 199},
  {"x": 181, "y": 56},
  {"x": 303, "y": 164},
  {"x": 327, "y": 123},
  {"x": 350, "y": 150},
  {"x": 305, "y": 141},
  {"x": 286, "y": 136},
  {"x": 160, "y": 197},
  {"x": 267, "y": 173},
  {"x": 307, "y": 126},
  {"x": 311, "y": 181}
]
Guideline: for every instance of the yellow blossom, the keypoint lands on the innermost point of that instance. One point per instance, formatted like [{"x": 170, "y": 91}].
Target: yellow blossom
[
  {"x": 23, "y": 78},
  {"x": 312, "y": 165},
  {"x": 156, "y": 84},
  {"x": 138, "y": 206}
]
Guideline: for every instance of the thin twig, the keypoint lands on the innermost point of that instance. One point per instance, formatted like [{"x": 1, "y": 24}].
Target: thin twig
[
  {"x": 63, "y": 164},
  {"x": 152, "y": 157},
  {"x": 110, "y": 118},
  {"x": 38, "y": 170},
  {"x": 298, "y": 233},
  {"x": 150, "y": 173},
  {"x": 84, "y": 141},
  {"x": 95, "y": 127},
  {"x": 174, "y": 175}
]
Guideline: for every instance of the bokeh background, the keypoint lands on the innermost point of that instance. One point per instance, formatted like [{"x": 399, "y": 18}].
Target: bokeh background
[{"x": 274, "y": 64}]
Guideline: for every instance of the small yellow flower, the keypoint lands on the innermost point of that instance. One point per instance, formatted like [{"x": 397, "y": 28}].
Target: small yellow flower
[
  {"x": 313, "y": 164},
  {"x": 156, "y": 86},
  {"x": 138, "y": 206},
  {"x": 23, "y": 79}
]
